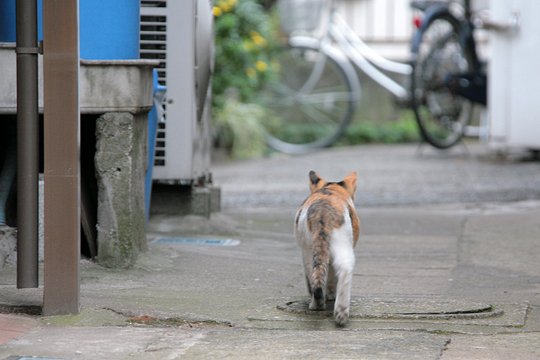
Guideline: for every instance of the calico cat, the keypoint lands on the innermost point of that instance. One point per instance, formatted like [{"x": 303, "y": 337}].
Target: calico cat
[{"x": 326, "y": 228}]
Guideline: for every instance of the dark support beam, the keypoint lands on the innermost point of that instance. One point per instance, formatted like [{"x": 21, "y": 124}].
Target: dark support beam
[
  {"x": 27, "y": 144},
  {"x": 61, "y": 293}
]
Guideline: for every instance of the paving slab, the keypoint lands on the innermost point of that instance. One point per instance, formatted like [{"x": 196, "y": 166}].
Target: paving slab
[
  {"x": 103, "y": 343},
  {"x": 15, "y": 326},
  {"x": 254, "y": 344},
  {"x": 522, "y": 346}
]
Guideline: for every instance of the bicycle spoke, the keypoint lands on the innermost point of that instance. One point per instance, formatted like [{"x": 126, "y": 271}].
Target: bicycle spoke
[
  {"x": 325, "y": 98},
  {"x": 319, "y": 116},
  {"x": 309, "y": 102}
]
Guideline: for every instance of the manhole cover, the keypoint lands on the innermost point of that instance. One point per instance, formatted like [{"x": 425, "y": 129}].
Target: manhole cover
[
  {"x": 402, "y": 309},
  {"x": 199, "y": 241}
]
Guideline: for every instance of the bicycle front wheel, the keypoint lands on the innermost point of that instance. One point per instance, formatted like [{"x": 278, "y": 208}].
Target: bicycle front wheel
[
  {"x": 442, "y": 115},
  {"x": 310, "y": 99}
]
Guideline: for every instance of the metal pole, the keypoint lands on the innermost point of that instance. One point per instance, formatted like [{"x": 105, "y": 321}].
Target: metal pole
[
  {"x": 27, "y": 144},
  {"x": 61, "y": 291}
]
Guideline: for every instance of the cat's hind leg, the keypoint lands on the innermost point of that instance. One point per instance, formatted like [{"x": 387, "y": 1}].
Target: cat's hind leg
[
  {"x": 343, "y": 296},
  {"x": 308, "y": 283},
  {"x": 318, "y": 294},
  {"x": 306, "y": 255},
  {"x": 331, "y": 284},
  {"x": 343, "y": 263}
]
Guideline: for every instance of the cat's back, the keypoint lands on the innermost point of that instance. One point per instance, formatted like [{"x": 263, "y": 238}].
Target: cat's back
[
  {"x": 330, "y": 207},
  {"x": 332, "y": 198}
]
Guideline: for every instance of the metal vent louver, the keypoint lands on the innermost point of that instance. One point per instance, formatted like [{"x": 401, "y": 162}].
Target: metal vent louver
[
  {"x": 178, "y": 34},
  {"x": 153, "y": 45}
]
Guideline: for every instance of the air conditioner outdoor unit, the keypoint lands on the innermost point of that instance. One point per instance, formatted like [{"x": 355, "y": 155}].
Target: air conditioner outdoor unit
[{"x": 179, "y": 33}]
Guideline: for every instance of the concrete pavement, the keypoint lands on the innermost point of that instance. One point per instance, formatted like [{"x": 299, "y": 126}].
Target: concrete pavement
[{"x": 447, "y": 268}]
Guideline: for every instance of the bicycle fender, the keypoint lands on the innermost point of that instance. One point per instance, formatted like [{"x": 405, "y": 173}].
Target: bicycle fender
[{"x": 433, "y": 12}]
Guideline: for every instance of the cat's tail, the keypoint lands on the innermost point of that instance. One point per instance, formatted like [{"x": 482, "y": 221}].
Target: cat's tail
[{"x": 321, "y": 261}]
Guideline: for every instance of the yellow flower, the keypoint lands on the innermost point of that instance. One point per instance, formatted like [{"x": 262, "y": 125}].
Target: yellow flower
[
  {"x": 216, "y": 10},
  {"x": 258, "y": 39},
  {"x": 250, "y": 72},
  {"x": 261, "y": 66},
  {"x": 225, "y": 6}
]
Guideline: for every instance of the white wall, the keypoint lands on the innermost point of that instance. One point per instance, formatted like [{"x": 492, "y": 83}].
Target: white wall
[{"x": 385, "y": 24}]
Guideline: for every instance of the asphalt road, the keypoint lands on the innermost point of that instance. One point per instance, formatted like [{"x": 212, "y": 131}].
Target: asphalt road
[{"x": 387, "y": 175}]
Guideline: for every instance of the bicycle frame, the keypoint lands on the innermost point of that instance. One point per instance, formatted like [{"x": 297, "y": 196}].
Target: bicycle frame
[
  {"x": 367, "y": 59},
  {"x": 342, "y": 39}
]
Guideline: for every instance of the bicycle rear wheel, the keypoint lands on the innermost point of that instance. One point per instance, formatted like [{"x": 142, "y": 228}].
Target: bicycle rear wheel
[
  {"x": 442, "y": 115},
  {"x": 310, "y": 99}
]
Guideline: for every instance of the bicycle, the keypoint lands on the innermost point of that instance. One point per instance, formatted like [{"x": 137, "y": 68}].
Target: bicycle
[
  {"x": 312, "y": 96},
  {"x": 448, "y": 78}
]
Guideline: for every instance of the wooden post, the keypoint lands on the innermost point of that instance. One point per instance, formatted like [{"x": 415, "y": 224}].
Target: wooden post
[{"x": 61, "y": 293}]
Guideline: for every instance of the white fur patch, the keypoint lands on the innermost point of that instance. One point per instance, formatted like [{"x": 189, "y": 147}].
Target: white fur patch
[
  {"x": 341, "y": 246},
  {"x": 343, "y": 260},
  {"x": 301, "y": 229}
]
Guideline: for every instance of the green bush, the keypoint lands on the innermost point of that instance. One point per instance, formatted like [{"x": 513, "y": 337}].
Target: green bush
[
  {"x": 243, "y": 48},
  {"x": 240, "y": 130},
  {"x": 401, "y": 130}
]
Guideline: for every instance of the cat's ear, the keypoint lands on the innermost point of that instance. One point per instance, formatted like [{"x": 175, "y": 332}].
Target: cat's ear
[
  {"x": 315, "y": 181},
  {"x": 350, "y": 183}
]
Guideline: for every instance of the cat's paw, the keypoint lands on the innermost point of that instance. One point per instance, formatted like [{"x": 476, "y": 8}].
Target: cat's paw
[{"x": 341, "y": 316}]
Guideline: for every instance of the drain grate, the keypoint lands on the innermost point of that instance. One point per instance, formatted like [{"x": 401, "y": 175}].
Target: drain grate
[
  {"x": 403, "y": 309},
  {"x": 197, "y": 241}
]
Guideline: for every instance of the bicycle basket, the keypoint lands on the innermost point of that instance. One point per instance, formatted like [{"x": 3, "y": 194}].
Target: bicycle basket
[{"x": 301, "y": 15}]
